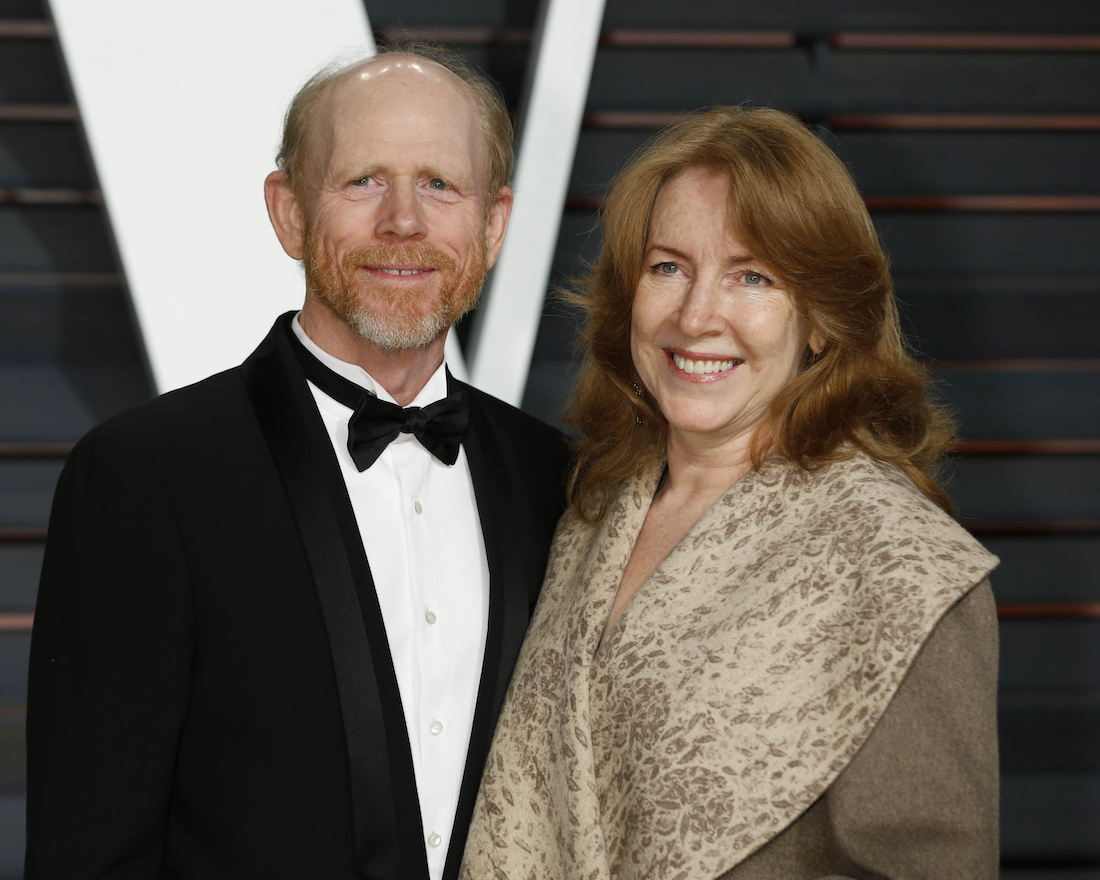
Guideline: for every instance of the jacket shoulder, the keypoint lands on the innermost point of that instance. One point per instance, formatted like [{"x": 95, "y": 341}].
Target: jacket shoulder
[
  {"x": 528, "y": 436},
  {"x": 184, "y": 412},
  {"x": 510, "y": 418},
  {"x": 877, "y": 512}
]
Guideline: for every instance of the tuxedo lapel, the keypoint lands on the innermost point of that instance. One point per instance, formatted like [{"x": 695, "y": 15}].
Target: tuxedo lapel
[
  {"x": 386, "y": 812},
  {"x": 509, "y": 601}
]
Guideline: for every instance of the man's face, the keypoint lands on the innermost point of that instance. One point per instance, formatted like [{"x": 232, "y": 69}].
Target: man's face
[{"x": 394, "y": 206}]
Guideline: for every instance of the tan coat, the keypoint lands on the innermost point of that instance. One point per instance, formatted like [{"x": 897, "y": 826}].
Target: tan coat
[{"x": 747, "y": 715}]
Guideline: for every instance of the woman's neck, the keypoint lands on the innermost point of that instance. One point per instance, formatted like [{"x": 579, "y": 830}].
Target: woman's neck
[{"x": 701, "y": 470}]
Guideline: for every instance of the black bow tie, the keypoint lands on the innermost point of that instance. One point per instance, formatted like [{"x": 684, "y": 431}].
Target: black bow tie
[
  {"x": 374, "y": 424},
  {"x": 439, "y": 427}
]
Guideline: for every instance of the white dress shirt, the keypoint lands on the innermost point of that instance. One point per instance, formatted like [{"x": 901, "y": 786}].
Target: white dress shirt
[{"x": 419, "y": 523}]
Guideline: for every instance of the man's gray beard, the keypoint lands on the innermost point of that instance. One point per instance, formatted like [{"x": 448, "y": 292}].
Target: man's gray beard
[
  {"x": 400, "y": 331},
  {"x": 375, "y": 330}
]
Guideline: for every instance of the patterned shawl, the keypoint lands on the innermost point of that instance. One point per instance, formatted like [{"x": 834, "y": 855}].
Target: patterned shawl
[{"x": 737, "y": 685}]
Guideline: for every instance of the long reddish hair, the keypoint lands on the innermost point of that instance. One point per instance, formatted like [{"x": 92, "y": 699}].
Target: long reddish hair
[{"x": 796, "y": 206}]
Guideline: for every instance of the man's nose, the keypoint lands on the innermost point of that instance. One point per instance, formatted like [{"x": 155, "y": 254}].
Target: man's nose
[{"x": 402, "y": 215}]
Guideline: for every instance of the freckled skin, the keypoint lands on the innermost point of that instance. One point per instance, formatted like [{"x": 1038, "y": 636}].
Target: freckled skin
[
  {"x": 395, "y": 180},
  {"x": 705, "y": 296}
]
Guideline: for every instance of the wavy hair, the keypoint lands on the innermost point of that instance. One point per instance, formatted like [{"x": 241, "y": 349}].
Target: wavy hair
[{"x": 795, "y": 204}]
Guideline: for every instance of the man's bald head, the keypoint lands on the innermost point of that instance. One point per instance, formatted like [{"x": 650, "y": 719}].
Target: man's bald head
[{"x": 300, "y": 124}]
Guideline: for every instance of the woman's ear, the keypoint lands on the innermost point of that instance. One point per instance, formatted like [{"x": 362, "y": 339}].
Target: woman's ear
[{"x": 817, "y": 341}]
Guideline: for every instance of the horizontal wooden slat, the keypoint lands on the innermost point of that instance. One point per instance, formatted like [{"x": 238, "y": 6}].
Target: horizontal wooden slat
[
  {"x": 26, "y": 29},
  {"x": 50, "y": 196},
  {"x": 628, "y": 37},
  {"x": 699, "y": 39},
  {"x": 1016, "y": 447},
  {"x": 37, "y": 113},
  {"x": 1048, "y": 609},
  {"x": 656, "y": 119},
  {"x": 631, "y": 118},
  {"x": 1045, "y": 365},
  {"x": 967, "y": 42},
  {"x": 932, "y": 203},
  {"x": 726, "y": 38},
  {"x": 1032, "y": 527},
  {"x": 458, "y": 36},
  {"x": 980, "y": 243},
  {"x": 983, "y": 203},
  {"x": 55, "y": 238},
  {"x": 1065, "y": 866},
  {"x": 1040, "y": 568},
  {"x": 22, "y": 534},
  {"x": 59, "y": 279},
  {"x": 35, "y": 450},
  {"x": 16, "y": 622},
  {"x": 968, "y": 121}
]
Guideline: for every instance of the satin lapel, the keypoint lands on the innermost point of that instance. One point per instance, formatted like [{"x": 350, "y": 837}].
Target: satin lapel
[
  {"x": 509, "y": 602},
  {"x": 386, "y": 812}
]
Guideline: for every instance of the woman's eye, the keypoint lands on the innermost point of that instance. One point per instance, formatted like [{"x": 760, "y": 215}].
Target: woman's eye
[
  {"x": 666, "y": 269},
  {"x": 755, "y": 278}
]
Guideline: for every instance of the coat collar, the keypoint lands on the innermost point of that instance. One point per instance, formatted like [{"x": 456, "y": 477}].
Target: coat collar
[
  {"x": 385, "y": 811},
  {"x": 741, "y": 680},
  {"x": 509, "y": 612}
]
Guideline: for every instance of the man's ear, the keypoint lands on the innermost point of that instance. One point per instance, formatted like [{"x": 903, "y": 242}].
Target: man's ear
[
  {"x": 285, "y": 213},
  {"x": 497, "y": 225}
]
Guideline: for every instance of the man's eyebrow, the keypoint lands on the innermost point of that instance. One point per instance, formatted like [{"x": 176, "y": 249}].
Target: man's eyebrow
[
  {"x": 463, "y": 180},
  {"x": 352, "y": 172}
]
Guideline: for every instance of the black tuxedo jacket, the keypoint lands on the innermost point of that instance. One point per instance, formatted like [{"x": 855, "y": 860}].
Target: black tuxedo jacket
[{"x": 211, "y": 690}]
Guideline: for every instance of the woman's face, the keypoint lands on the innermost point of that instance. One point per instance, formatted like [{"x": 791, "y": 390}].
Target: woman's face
[{"x": 714, "y": 336}]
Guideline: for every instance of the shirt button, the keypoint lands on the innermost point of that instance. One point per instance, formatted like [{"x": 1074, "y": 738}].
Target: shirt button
[
  {"x": 436, "y": 727},
  {"x": 430, "y": 617},
  {"x": 434, "y": 840},
  {"x": 418, "y": 507}
]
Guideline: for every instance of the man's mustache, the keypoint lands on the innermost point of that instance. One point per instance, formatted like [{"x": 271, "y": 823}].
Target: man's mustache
[{"x": 414, "y": 254}]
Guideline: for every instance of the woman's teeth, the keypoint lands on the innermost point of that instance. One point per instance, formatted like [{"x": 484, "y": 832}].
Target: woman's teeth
[{"x": 690, "y": 366}]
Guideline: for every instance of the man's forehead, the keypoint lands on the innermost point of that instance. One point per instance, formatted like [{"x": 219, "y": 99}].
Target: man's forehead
[
  {"x": 395, "y": 71},
  {"x": 399, "y": 62},
  {"x": 398, "y": 98}
]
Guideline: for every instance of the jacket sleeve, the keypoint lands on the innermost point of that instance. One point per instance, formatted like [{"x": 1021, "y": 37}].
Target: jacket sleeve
[
  {"x": 919, "y": 801},
  {"x": 109, "y": 669}
]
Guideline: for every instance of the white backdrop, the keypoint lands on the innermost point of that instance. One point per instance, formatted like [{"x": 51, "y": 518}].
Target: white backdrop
[{"x": 183, "y": 103}]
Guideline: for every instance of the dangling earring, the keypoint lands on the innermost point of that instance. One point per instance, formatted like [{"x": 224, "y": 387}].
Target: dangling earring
[{"x": 640, "y": 393}]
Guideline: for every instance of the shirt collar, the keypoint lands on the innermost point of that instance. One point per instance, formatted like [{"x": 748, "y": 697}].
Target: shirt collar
[{"x": 434, "y": 389}]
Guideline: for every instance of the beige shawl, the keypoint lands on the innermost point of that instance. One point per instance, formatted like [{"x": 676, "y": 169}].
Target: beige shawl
[{"x": 740, "y": 681}]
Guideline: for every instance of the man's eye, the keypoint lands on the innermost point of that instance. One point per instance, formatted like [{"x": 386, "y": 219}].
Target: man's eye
[
  {"x": 436, "y": 183},
  {"x": 363, "y": 181}
]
